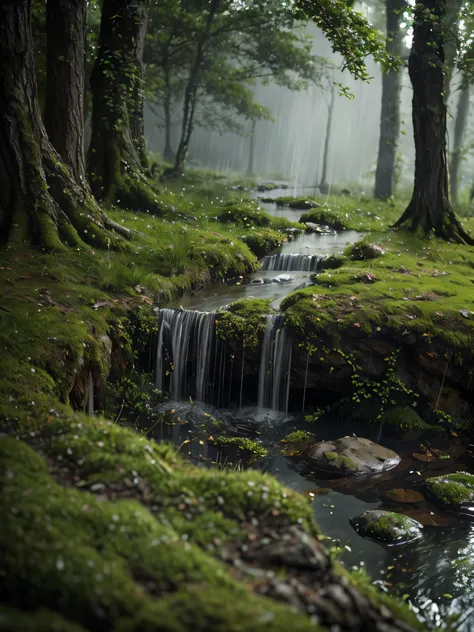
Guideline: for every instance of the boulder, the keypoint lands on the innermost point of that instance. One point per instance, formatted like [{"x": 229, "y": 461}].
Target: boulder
[
  {"x": 352, "y": 456},
  {"x": 387, "y": 526},
  {"x": 454, "y": 492}
]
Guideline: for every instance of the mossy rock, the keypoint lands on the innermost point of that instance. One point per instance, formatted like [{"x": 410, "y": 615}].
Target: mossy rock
[
  {"x": 325, "y": 216},
  {"x": 332, "y": 262},
  {"x": 365, "y": 251},
  {"x": 351, "y": 456},
  {"x": 452, "y": 491},
  {"x": 387, "y": 526}
]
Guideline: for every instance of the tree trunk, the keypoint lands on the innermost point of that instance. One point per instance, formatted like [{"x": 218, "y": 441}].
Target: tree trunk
[
  {"x": 39, "y": 200},
  {"x": 117, "y": 153},
  {"x": 390, "y": 112},
  {"x": 190, "y": 94},
  {"x": 451, "y": 42},
  {"x": 64, "y": 109},
  {"x": 459, "y": 130},
  {"x": 251, "y": 165},
  {"x": 430, "y": 210},
  {"x": 323, "y": 185},
  {"x": 168, "y": 153}
]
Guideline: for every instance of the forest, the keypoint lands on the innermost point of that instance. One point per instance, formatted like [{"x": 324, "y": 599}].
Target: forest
[{"x": 236, "y": 315}]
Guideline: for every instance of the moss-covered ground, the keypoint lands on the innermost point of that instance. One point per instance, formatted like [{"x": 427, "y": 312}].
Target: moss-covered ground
[{"x": 102, "y": 529}]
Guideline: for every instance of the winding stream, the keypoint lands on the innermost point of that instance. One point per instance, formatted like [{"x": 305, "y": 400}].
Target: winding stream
[{"x": 427, "y": 573}]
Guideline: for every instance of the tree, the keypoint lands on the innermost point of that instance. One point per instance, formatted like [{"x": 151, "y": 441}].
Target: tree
[
  {"x": 207, "y": 57},
  {"x": 64, "y": 108},
  {"x": 459, "y": 131},
  {"x": 430, "y": 210},
  {"x": 390, "y": 111},
  {"x": 117, "y": 160},
  {"x": 39, "y": 199},
  {"x": 323, "y": 185},
  {"x": 251, "y": 165}
]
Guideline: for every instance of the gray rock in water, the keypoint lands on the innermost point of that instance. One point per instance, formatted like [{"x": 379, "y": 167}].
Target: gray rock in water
[
  {"x": 387, "y": 526},
  {"x": 257, "y": 281},
  {"x": 352, "y": 456},
  {"x": 283, "y": 278}
]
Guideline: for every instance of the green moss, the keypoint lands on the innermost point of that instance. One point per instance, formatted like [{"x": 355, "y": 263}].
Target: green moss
[
  {"x": 250, "y": 215},
  {"x": 298, "y": 436},
  {"x": 12, "y": 620},
  {"x": 386, "y": 526},
  {"x": 341, "y": 462},
  {"x": 242, "y": 443},
  {"x": 405, "y": 418},
  {"x": 452, "y": 490},
  {"x": 244, "y": 320},
  {"x": 324, "y": 216}
]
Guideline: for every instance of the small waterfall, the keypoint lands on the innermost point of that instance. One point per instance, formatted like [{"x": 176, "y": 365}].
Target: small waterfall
[
  {"x": 185, "y": 338},
  {"x": 275, "y": 366},
  {"x": 291, "y": 262}
]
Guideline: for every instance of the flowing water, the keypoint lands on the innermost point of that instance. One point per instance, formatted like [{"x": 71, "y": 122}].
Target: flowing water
[{"x": 193, "y": 363}]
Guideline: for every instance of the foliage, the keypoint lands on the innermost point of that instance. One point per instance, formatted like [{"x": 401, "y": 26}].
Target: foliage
[
  {"x": 297, "y": 436},
  {"x": 244, "y": 320},
  {"x": 242, "y": 443}
]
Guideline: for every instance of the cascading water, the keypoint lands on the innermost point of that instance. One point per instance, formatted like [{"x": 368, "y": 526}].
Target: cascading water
[
  {"x": 185, "y": 337},
  {"x": 275, "y": 366},
  {"x": 292, "y": 262},
  {"x": 192, "y": 361}
]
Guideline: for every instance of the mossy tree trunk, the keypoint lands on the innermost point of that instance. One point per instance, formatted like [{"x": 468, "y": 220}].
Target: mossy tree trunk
[
  {"x": 64, "y": 108},
  {"x": 40, "y": 202},
  {"x": 459, "y": 130},
  {"x": 390, "y": 111},
  {"x": 117, "y": 155},
  {"x": 451, "y": 42},
  {"x": 430, "y": 210}
]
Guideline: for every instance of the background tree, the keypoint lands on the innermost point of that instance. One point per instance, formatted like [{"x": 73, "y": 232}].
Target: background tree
[
  {"x": 323, "y": 183},
  {"x": 460, "y": 124},
  {"x": 39, "y": 199},
  {"x": 430, "y": 210},
  {"x": 207, "y": 59},
  {"x": 390, "y": 110},
  {"x": 117, "y": 159}
]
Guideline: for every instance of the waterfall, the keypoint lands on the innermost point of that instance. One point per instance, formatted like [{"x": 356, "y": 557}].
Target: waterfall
[
  {"x": 289, "y": 262},
  {"x": 275, "y": 366},
  {"x": 185, "y": 337},
  {"x": 192, "y": 361}
]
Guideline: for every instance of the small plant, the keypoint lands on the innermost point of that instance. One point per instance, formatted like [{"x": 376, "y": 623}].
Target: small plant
[
  {"x": 241, "y": 443},
  {"x": 297, "y": 437}
]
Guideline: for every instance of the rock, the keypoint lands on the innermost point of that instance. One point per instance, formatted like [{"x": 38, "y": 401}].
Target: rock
[
  {"x": 404, "y": 496},
  {"x": 257, "y": 281},
  {"x": 452, "y": 491},
  {"x": 283, "y": 278},
  {"x": 312, "y": 227},
  {"x": 352, "y": 456},
  {"x": 363, "y": 252},
  {"x": 387, "y": 526}
]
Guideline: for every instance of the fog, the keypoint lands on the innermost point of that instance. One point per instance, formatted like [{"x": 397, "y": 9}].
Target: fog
[{"x": 293, "y": 145}]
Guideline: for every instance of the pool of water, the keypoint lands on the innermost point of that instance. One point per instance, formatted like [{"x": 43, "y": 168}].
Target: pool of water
[{"x": 427, "y": 573}]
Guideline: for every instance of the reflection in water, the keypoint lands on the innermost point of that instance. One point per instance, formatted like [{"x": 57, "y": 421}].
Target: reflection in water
[{"x": 434, "y": 574}]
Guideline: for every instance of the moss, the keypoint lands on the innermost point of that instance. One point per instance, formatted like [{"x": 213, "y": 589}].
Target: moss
[
  {"x": 12, "y": 620},
  {"x": 297, "y": 436},
  {"x": 324, "y": 216},
  {"x": 245, "y": 319},
  {"x": 387, "y": 526},
  {"x": 341, "y": 462},
  {"x": 242, "y": 443},
  {"x": 405, "y": 418},
  {"x": 452, "y": 490}
]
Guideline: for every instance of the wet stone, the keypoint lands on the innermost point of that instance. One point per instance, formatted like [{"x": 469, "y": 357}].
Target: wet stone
[
  {"x": 454, "y": 492},
  {"x": 387, "y": 526},
  {"x": 351, "y": 456},
  {"x": 404, "y": 496}
]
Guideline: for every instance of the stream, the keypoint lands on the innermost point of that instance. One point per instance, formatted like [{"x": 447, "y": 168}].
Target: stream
[{"x": 427, "y": 573}]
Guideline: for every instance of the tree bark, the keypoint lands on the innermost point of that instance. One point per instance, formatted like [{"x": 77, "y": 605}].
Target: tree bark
[
  {"x": 251, "y": 165},
  {"x": 117, "y": 152},
  {"x": 323, "y": 185},
  {"x": 430, "y": 210},
  {"x": 390, "y": 112},
  {"x": 190, "y": 94},
  {"x": 64, "y": 108},
  {"x": 40, "y": 202},
  {"x": 459, "y": 130}
]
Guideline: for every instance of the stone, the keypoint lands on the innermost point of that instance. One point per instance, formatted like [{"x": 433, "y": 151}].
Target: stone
[
  {"x": 404, "y": 496},
  {"x": 352, "y": 456},
  {"x": 283, "y": 278},
  {"x": 387, "y": 526},
  {"x": 454, "y": 492}
]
